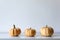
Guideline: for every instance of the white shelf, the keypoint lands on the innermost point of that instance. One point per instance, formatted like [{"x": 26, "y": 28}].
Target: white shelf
[{"x": 4, "y": 35}]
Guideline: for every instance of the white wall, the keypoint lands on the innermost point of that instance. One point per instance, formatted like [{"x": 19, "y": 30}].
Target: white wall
[{"x": 32, "y": 13}]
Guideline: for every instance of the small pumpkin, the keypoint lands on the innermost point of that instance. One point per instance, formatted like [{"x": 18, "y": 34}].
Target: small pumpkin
[
  {"x": 19, "y": 31},
  {"x": 14, "y": 31},
  {"x": 30, "y": 32},
  {"x": 46, "y": 31}
]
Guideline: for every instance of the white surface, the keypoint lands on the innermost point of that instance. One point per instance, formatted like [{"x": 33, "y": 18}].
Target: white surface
[
  {"x": 32, "y": 13},
  {"x": 4, "y": 35}
]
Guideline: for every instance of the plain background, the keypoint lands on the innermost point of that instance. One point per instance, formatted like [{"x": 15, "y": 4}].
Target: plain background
[{"x": 29, "y": 13}]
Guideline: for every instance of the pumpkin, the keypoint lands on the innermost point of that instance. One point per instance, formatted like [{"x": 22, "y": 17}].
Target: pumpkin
[
  {"x": 19, "y": 31},
  {"x": 30, "y": 32},
  {"x": 14, "y": 31},
  {"x": 46, "y": 31}
]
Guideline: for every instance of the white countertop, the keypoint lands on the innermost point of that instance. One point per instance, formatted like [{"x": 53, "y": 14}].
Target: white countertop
[{"x": 5, "y": 35}]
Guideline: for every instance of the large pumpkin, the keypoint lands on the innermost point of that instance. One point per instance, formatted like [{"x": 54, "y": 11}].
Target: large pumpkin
[
  {"x": 46, "y": 31},
  {"x": 30, "y": 32},
  {"x": 14, "y": 31}
]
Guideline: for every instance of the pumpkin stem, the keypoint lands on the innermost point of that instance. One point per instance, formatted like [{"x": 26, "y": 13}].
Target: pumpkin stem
[
  {"x": 30, "y": 27},
  {"x": 14, "y": 26},
  {"x": 46, "y": 25}
]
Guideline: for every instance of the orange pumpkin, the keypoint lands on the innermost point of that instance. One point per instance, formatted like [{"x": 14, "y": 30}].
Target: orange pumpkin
[
  {"x": 14, "y": 31},
  {"x": 46, "y": 31},
  {"x": 19, "y": 30},
  {"x": 30, "y": 32}
]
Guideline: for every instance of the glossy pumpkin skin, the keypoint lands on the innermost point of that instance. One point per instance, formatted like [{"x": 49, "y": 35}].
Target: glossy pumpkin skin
[
  {"x": 46, "y": 31},
  {"x": 14, "y": 32},
  {"x": 30, "y": 32}
]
